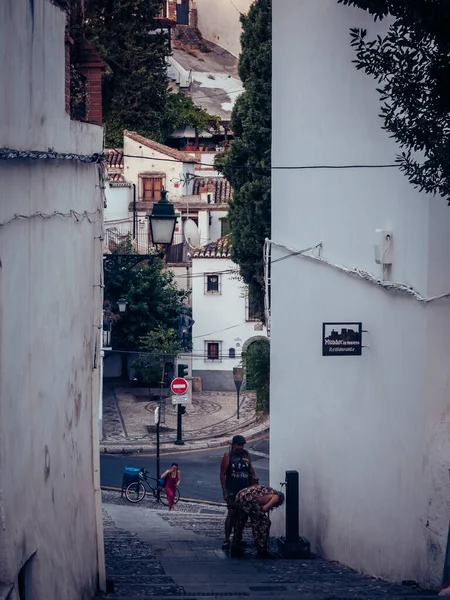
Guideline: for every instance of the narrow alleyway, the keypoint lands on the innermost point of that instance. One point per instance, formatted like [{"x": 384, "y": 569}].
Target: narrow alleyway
[{"x": 151, "y": 553}]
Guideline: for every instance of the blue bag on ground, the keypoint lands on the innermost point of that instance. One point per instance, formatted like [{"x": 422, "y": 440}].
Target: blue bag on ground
[{"x": 130, "y": 475}]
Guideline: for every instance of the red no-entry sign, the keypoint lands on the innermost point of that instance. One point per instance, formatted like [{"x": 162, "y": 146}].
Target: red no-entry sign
[{"x": 179, "y": 386}]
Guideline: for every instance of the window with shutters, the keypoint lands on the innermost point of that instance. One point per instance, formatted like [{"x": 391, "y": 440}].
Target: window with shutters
[
  {"x": 212, "y": 283},
  {"x": 213, "y": 351},
  {"x": 151, "y": 188}
]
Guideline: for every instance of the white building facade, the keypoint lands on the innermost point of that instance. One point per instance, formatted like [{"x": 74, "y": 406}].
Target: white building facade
[
  {"x": 224, "y": 326},
  {"x": 51, "y": 541},
  {"x": 219, "y": 22},
  {"x": 368, "y": 434}
]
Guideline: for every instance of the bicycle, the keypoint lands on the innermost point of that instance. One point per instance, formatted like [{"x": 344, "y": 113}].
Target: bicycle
[{"x": 136, "y": 491}]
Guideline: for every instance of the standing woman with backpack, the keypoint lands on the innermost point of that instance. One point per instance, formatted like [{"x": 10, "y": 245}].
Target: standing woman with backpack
[
  {"x": 172, "y": 480},
  {"x": 236, "y": 474}
]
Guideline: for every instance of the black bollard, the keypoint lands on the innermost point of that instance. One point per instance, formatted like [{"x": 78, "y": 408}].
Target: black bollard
[
  {"x": 292, "y": 516},
  {"x": 293, "y": 545}
]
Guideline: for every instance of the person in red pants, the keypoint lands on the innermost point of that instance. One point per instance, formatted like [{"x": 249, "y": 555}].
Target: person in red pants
[{"x": 172, "y": 481}]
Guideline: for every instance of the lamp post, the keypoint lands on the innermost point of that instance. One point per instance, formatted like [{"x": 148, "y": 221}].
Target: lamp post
[
  {"x": 157, "y": 420},
  {"x": 162, "y": 221},
  {"x": 238, "y": 376}
]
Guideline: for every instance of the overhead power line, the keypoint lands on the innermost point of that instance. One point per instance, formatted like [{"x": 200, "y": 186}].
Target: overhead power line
[{"x": 269, "y": 168}]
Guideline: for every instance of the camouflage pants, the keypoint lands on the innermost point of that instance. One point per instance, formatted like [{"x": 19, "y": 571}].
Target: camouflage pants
[{"x": 260, "y": 527}]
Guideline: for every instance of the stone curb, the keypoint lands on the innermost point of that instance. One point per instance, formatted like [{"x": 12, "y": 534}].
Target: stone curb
[{"x": 201, "y": 444}]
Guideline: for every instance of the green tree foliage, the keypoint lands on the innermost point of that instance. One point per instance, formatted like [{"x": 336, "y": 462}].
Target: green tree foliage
[
  {"x": 247, "y": 164},
  {"x": 180, "y": 111},
  {"x": 153, "y": 300},
  {"x": 412, "y": 67},
  {"x": 161, "y": 346},
  {"x": 135, "y": 85},
  {"x": 256, "y": 362}
]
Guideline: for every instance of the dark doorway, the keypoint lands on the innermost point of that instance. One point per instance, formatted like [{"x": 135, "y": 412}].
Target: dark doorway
[{"x": 183, "y": 13}]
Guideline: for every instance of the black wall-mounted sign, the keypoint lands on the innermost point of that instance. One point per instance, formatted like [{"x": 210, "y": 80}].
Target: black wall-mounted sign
[{"x": 342, "y": 339}]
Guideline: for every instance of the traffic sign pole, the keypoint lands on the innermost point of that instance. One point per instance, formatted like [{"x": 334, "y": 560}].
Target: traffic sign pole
[
  {"x": 179, "y": 387},
  {"x": 179, "y": 440}
]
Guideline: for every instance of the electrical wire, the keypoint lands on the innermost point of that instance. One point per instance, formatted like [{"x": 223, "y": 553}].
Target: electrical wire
[
  {"x": 296, "y": 253},
  {"x": 195, "y": 354},
  {"x": 265, "y": 169},
  {"x": 231, "y": 1},
  {"x": 361, "y": 273},
  {"x": 201, "y": 275},
  {"x": 79, "y": 217},
  {"x": 218, "y": 331}
]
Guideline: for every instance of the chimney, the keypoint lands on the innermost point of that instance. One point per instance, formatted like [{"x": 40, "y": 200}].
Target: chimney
[{"x": 90, "y": 66}]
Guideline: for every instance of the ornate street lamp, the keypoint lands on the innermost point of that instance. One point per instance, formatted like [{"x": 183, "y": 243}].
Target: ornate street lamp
[
  {"x": 122, "y": 304},
  {"x": 162, "y": 222}
]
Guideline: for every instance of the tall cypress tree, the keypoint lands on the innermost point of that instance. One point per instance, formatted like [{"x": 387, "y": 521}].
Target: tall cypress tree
[{"x": 247, "y": 164}]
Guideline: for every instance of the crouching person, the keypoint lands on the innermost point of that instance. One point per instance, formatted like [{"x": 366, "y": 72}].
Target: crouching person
[{"x": 256, "y": 502}]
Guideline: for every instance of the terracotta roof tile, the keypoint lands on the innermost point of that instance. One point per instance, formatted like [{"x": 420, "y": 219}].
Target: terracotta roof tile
[
  {"x": 221, "y": 248},
  {"x": 118, "y": 180},
  {"x": 219, "y": 186},
  {"x": 176, "y": 154},
  {"x": 114, "y": 158},
  {"x": 114, "y": 167}
]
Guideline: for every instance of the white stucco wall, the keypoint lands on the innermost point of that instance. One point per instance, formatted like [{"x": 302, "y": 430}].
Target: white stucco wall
[
  {"x": 219, "y": 317},
  {"x": 207, "y": 159},
  {"x": 369, "y": 434},
  {"x": 209, "y": 225},
  {"x": 218, "y": 21},
  {"x": 50, "y": 308},
  {"x": 215, "y": 229},
  {"x": 175, "y": 171},
  {"x": 117, "y": 202},
  {"x": 182, "y": 278}
]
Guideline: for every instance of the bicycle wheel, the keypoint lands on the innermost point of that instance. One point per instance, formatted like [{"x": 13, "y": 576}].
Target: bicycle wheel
[
  {"x": 163, "y": 496},
  {"x": 135, "y": 492}
]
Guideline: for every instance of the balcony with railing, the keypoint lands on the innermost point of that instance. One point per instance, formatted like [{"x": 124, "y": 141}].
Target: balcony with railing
[{"x": 119, "y": 238}]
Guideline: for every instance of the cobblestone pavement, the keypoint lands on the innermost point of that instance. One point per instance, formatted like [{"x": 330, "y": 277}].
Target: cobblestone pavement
[
  {"x": 151, "y": 553},
  {"x": 128, "y": 416}
]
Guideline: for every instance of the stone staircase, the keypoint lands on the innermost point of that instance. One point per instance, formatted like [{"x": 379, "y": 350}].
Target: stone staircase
[
  {"x": 132, "y": 567},
  {"x": 177, "y": 74},
  {"x": 154, "y": 554}
]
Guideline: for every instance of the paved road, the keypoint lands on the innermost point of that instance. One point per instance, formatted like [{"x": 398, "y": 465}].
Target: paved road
[{"x": 199, "y": 469}]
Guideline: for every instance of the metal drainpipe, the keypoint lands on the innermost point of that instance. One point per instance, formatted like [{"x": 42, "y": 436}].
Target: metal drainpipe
[{"x": 134, "y": 211}]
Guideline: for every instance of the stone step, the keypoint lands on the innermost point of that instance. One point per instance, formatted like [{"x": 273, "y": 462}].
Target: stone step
[
  {"x": 225, "y": 595},
  {"x": 294, "y": 595}
]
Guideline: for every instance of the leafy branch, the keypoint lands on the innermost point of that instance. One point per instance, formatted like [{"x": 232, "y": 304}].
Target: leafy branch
[{"x": 411, "y": 66}]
